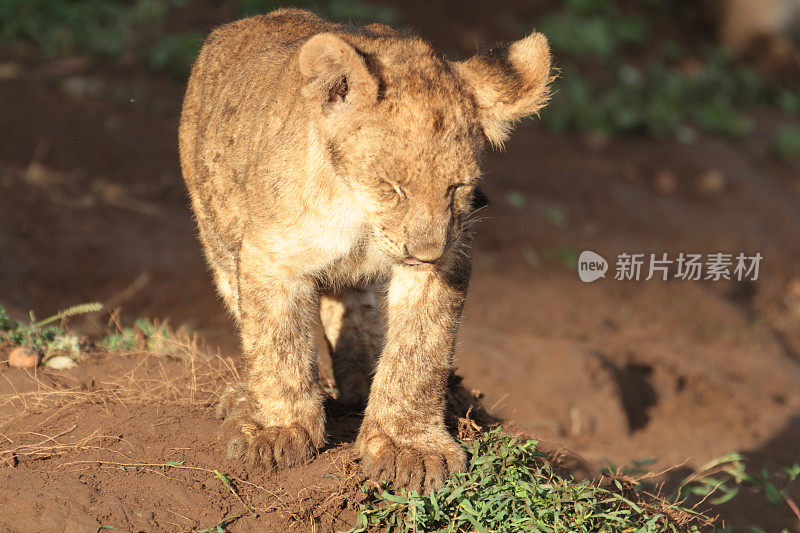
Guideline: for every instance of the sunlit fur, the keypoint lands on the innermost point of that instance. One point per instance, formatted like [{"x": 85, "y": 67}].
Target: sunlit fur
[{"x": 331, "y": 170}]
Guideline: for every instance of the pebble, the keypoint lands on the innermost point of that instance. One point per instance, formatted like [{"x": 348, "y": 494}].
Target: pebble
[
  {"x": 711, "y": 182},
  {"x": 60, "y": 362},
  {"x": 792, "y": 296},
  {"x": 23, "y": 357},
  {"x": 665, "y": 182}
]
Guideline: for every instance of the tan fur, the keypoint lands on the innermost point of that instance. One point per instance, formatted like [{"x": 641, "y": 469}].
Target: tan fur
[{"x": 331, "y": 170}]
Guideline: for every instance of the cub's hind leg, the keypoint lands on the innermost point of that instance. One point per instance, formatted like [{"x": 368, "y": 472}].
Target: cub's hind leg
[
  {"x": 227, "y": 285},
  {"x": 221, "y": 256},
  {"x": 354, "y": 334}
]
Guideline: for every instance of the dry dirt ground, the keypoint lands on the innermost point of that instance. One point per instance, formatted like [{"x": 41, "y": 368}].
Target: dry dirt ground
[
  {"x": 92, "y": 208},
  {"x": 128, "y": 441}
]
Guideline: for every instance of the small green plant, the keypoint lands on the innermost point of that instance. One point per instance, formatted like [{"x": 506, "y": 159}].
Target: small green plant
[
  {"x": 222, "y": 525},
  {"x": 727, "y": 475},
  {"x": 144, "y": 335},
  {"x": 776, "y": 486},
  {"x": 510, "y": 485},
  {"x": 46, "y": 339}
]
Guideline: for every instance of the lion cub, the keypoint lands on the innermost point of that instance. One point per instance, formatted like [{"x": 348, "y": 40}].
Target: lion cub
[{"x": 331, "y": 170}]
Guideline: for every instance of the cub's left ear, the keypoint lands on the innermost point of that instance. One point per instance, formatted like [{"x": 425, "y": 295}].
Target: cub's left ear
[{"x": 508, "y": 83}]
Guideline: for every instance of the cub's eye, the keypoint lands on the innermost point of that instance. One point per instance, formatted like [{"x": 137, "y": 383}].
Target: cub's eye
[
  {"x": 394, "y": 188},
  {"x": 479, "y": 199},
  {"x": 456, "y": 187}
]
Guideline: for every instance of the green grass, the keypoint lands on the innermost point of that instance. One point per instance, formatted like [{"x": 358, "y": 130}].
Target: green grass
[
  {"x": 510, "y": 485},
  {"x": 618, "y": 74},
  {"x": 57, "y": 28},
  {"x": 175, "y": 53}
]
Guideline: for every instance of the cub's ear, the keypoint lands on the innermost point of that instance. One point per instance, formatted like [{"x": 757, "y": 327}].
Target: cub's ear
[
  {"x": 508, "y": 83},
  {"x": 336, "y": 74}
]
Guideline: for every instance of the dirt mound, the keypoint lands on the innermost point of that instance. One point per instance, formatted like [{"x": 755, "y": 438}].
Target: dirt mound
[
  {"x": 129, "y": 440},
  {"x": 81, "y": 445}
]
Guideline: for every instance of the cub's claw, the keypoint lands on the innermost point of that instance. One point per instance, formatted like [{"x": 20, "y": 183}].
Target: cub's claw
[
  {"x": 269, "y": 447},
  {"x": 422, "y": 467},
  {"x": 280, "y": 447}
]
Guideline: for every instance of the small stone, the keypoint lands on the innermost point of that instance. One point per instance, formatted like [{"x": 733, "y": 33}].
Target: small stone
[
  {"x": 39, "y": 174},
  {"x": 60, "y": 362},
  {"x": 711, "y": 182},
  {"x": 792, "y": 296},
  {"x": 10, "y": 71},
  {"x": 110, "y": 192},
  {"x": 665, "y": 182},
  {"x": 596, "y": 140},
  {"x": 793, "y": 288},
  {"x": 82, "y": 86},
  {"x": 23, "y": 357},
  {"x": 691, "y": 66},
  {"x": 686, "y": 135}
]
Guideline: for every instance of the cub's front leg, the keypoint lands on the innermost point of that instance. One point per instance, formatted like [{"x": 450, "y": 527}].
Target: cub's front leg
[
  {"x": 276, "y": 419},
  {"x": 403, "y": 438}
]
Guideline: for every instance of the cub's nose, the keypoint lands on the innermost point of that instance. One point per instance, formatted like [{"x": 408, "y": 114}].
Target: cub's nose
[{"x": 427, "y": 252}]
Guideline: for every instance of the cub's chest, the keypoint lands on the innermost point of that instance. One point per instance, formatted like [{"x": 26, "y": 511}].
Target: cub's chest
[
  {"x": 347, "y": 253},
  {"x": 334, "y": 241}
]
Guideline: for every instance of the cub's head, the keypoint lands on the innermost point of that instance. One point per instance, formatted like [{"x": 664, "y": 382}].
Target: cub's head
[{"x": 405, "y": 128}]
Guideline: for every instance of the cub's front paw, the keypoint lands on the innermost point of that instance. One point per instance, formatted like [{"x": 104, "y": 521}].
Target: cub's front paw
[
  {"x": 269, "y": 447},
  {"x": 421, "y": 466},
  {"x": 259, "y": 445}
]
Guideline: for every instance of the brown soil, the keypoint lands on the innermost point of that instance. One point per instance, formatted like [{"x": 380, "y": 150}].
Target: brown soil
[
  {"x": 127, "y": 440},
  {"x": 92, "y": 208}
]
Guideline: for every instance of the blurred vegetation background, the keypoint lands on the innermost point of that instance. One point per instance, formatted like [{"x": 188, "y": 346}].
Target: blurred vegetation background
[
  {"x": 652, "y": 67},
  {"x": 154, "y": 33}
]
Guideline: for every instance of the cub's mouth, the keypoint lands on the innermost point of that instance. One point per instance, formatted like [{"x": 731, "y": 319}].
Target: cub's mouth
[{"x": 413, "y": 262}]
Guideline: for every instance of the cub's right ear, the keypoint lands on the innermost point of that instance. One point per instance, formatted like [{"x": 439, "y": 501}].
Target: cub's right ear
[{"x": 336, "y": 74}]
